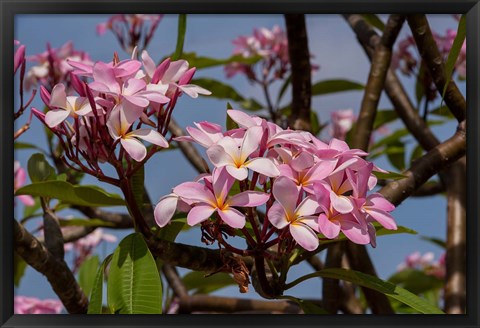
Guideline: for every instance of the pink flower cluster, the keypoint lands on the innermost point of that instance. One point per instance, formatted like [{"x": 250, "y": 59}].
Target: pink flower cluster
[
  {"x": 52, "y": 67},
  {"x": 341, "y": 123},
  {"x": 405, "y": 60},
  {"x": 308, "y": 186},
  {"x": 272, "y": 45},
  {"x": 425, "y": 263},
  {"x": 129, "y": 29},
  {"x": 83, "y": 248},
  {"x": 33, "y": 305},
  {"x": 111, "y": 109},
  {"x": 20, "y": 176}
]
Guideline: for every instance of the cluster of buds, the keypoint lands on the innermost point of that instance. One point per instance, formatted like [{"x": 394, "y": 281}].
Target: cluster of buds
[
  {"x": 84, "y": 247},
  {"x": 104, "y": 121},
  {"x": 52, "y": 66},
  {"x": 131, "y": 30},
  {"x": 407, "y": 62},
  {"x": 310, "y": 189},
  {"x": 33, "y": 305},
  {"x": 425, "y": 263},
  {"x": 271, "y": 46}
]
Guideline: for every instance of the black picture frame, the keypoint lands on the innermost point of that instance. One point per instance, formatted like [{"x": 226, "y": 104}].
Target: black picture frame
[{"x": 9, "y": 8}]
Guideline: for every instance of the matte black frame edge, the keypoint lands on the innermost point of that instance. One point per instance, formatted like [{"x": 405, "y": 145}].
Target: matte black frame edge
[{"x": 9, "y": 8}]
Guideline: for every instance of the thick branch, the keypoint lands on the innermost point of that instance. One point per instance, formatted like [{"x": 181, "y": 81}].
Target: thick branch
[
  {"x": 331, "y": 287},
  {"x": 174, "y": 280},
  {"x": 455, "y": 287},
  {"x": 376, "y": 81},
  {"x": 426, "y": 166},
  {"x": 209, "y": 303},
  {"x": 56, "y": 270},
  {"x": 434, "y": 61},
  {"x": 301, "y": 71}
]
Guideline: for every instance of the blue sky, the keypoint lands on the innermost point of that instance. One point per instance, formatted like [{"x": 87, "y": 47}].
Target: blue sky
[{"x": 339, "y": 55}]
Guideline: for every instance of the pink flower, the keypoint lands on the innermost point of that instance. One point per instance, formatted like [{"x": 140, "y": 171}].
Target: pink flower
[
  {"x": 300, "y": 219},
  {"x": 342, "y": 122},
  {"x": 119, "y": 126},
  {"x": 63, "y": 106},
  {"x": 215, "y": 199},
  {"x": 32, "y": 305},
  {"x": 233, "y": 154},
  {"x": 425, "y": 263},
  {"x": 20, "y": 176},
  {"x": 206, "y": 134},
  {"x": 331, "y": 221}
]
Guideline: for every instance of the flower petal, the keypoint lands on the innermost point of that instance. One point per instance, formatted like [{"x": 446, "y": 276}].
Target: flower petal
[
  {"x": 263, "y": 166},
  {"x": 382, "y": 217},
  {"x": 307, "y": 207},
  {"x": 248, "y": 199},
  {"x": 151, "y": 136},
  {"x": 341, "y": 203},
  {"x": 251, "y": 141},
  {"x": 379, "y": 202},
  {"x": 134, "y": 148},
  {"x": 233, "y": 218},
  {"x": 58, "y": 97},
  {"x": 194, "y": 90},
  {"x": 199, "y": 213},
  {"x": 330, "y": 229},
  {"x": 241, "y": 118},
  {"x": 217, "y": 155},
  {"x": 304, "y": 236},
  {"x": 239, "y": 173},
  {"x": 222, "y": 183},
  {"x": 277, "y": 216},
  {"x": 165, "y": 209},
  {"x": 196, "y": 192},
  {"x": 55, "y": 117},
  {"x": 355, "y": 232},
  {"x": 286, "y": 193}
]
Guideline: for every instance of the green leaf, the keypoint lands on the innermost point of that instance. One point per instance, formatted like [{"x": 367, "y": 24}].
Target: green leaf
[
  {"x": 416, "y": 153},
  {"x": 77, "y": 222},
  {"x": 393, "y": 137},
  {"x": 384, "y": 117},
  {"x": 455, "y": 51},
  {"x": 87, "y": 273},
  {"x": 442, "y": 111},
  {"x": 384, "y": 287},
  {"x": 223, "y": 91},
  {"x": 436, "y": 241},
  {"x": 68, "y": 193},
  {"x": 306, "y": 306},
  {"x": 96, "y": 295},
  {"x": 25, "y": 145},
  {"x": 134, "y": 285},
  {"x": 39, "y": 169},
  {"x": 284, "y": 87},
  {"x": 389, "y": 175},
  {"x": 316, "y": 128},
  {"x": 197, "y": 282},
  {"x": 33, "y": 210},
  {"x": 182, "y": 29},
  {"x": 171, "y": 230},
  {"x": 230, "y": 124},
  {"x": 19, "y": 266},
  {"x": 373, "y": 20},
  {"x": 416, "y": 281},
  {"x": 396, "y": 154},
  {"x": 333, "y": 86},
  {"x": 206, "y": 62}
]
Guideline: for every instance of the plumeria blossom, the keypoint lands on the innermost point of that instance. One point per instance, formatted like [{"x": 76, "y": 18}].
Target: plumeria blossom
[
  {"x": 301, "y": 218},
  {"x": 63, "y": 106},
  {"x": 52, "y": 66},
  {"x": 33, "y": 305},
  {"x": 119, "y": 128},
  {"x": 20, "y": 176},
  {"x": 425, "y": 263},
  {"x": 215, "y": 199},
  {"x": 311, "y": 187},
  {"x": 19, "y": 56},
  {"x": 233, "y": 154},
  {"x": 342, "y": 122}
]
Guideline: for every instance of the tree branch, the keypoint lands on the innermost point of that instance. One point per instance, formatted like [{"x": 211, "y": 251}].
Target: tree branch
[
  {"x": 455, "y": 282},
  {"x": 210, "y": 303},
  {"x": 426, "y": 166},
  {"x": 56, "y": 270},
  {"x": 331, "y": 287},
  {"x": 376, "y": 80},
  {"x": 433, "y": 59},
  {"x": 301, "y": 71}
]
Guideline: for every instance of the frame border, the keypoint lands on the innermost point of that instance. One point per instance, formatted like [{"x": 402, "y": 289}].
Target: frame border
[{"x": 9, "y": 8}]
